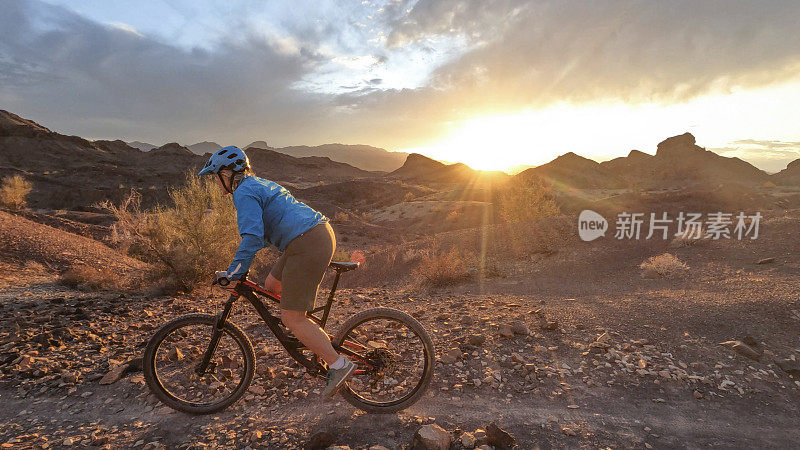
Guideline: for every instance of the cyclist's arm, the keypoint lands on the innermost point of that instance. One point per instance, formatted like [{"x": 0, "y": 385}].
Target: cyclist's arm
[{"x": 251, "y": 228}]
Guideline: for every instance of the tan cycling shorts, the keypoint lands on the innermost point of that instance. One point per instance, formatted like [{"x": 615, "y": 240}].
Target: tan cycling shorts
[{"x": 302, "y": 266}]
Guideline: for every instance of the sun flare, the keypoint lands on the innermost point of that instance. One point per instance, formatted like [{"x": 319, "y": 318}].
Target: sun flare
[{"x": 605, "y": 130}]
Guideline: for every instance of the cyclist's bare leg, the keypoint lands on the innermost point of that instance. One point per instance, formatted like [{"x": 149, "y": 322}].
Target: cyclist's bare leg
[
  {"x": 310, "y": 334},
  {"x": 273, "y": 285}
]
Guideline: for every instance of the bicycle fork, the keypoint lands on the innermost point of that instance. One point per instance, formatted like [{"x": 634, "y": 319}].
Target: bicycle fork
[{"x": 216, "y": 335}]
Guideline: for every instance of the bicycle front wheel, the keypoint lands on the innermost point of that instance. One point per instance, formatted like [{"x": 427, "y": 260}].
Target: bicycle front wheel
[
  {"x": 172, "y": 364},
  {"x": 397, "y": 364}
]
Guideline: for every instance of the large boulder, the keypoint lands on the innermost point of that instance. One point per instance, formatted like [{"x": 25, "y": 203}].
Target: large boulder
[{"x": 431, "y": 437}]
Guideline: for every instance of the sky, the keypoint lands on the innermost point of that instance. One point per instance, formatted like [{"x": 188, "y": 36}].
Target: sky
[{"x": 492, "y": 83}]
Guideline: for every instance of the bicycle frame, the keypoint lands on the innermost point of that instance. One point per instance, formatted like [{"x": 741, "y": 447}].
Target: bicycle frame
[{"x": 251, "y": 291}]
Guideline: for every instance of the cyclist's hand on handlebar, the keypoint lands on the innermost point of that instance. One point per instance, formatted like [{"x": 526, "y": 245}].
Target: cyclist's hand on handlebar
[{"x": 221, "y": 278}]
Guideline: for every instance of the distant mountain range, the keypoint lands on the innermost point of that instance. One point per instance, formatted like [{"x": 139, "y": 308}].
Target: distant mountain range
[
  {"x": 362, "y": 156},
  {"x": 678, "y": 162},
  {"x": 69, "y": 171}
]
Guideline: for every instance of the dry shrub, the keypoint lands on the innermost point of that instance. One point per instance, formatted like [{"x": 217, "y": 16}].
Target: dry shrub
[
  {"x": 524, "y": 200},
  {"x": 521, "y": 239},
  {"x": 13, "y": 191},
  {"x": 665, "y": 265},
  {"x": 86, "y": 278},
  {"x": 340, "y": 217},
  {"x": 188, "y": 241},
  {"x": 341, "y": 255},
  {"x": 444, "y": 268}
]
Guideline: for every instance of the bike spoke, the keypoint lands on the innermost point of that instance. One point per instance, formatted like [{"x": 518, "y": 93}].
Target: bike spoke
[
  {"x": 180, "y": 354},
  {"x": 395, "y": 360}
]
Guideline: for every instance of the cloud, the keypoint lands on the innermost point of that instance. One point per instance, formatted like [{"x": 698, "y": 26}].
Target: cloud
[
  {"x": 532, "y": 53},
  {"x": 772, "y": 156},
  {"x": 398, "y": 75},
  {"x": 104, "y": 80}
]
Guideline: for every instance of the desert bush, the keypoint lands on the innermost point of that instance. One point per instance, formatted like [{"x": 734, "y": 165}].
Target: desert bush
[
  {"x": 524, "y": 200},
  {"x": 86, "y": 278},
  {"x": 341, "y": 255},
  {"x": 443, "y": 268},
  {"x": 186, "y": 241},
  {"x": 340, "y": 217},
  {"x": 13, "y": 191},
  {"x": 665, "y": 265}
]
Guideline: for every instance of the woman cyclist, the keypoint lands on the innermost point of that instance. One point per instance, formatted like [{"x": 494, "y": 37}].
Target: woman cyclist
[{"x": 267, "y": 214}]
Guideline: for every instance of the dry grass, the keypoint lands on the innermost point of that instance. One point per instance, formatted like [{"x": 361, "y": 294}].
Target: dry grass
[
  {"x": 526, "y": 200},
  {"x": 444, "y": 268},
  {"x": 13, "y": 191},
  {"x": 86, "y": 278},
  {"x": 341, "y": 217},
  {"x": 665, "y": 265}
]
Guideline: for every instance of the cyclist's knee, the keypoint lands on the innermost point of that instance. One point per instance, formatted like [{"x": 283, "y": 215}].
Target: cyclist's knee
[{"x": 290, "y": 317}]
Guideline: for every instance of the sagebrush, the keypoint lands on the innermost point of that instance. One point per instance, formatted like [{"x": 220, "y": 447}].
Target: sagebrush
[
  {"x": 525, "y": 200},
  {"x": 665, "y": 265},
  {"x": 13, "y": 192},
  {"x": 444, "y": 268},
  {"x": 187, "y": 241}
]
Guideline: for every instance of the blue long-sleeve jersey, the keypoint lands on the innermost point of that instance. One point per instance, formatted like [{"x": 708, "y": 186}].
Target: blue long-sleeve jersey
[{"x": 267, "y": 214}]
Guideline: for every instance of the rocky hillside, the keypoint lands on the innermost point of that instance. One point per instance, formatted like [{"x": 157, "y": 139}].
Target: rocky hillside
[
  {"x": 422, "y": 169},
  {"x": 680, "y": 161},
  {"x": 790, "y": 175},
  {"x": 72, "y": 172},
  {"x": 571, "y": 170}
]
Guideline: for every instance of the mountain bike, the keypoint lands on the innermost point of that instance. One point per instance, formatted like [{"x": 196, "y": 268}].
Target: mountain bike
[{"x": 202, "y": 363}]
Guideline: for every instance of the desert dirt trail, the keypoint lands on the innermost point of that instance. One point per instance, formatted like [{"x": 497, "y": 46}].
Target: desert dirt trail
[{"x": 604, "y": 359}]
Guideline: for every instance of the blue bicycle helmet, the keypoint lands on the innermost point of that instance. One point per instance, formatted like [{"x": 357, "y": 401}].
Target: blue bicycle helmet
[{"x": 229, "y": 157}]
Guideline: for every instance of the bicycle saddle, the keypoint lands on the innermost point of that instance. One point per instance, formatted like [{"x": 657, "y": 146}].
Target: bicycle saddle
[{"x": 342, "y": 266}]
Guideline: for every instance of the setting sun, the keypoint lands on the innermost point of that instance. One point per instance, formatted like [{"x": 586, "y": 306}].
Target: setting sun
[{"x": 605, "y": 130}]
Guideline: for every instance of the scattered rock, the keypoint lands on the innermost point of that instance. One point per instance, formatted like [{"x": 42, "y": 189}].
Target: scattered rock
[
  {"x": 789, "y": 366},
  {"x": 520, "y": 328},
  {"x": 550, "y": 325},
  {"x": 504, "y": 330},
  {"x": 451, "y": 356},
  {"x": 499, "y": 438},
  {"x": 431, "y": 437},
  {"x": 743, "y": 349},
  {"x": 468, "y": 440},
  {"x": 257, "y": 390},
  {"x": 175, "y": 354},
  {"x": 697, "y": 394},
  {"x": 70, "y": 377},
  {"x": 319, "y": 440},
  {"x": 766, "y": 261},
  {"x": 114, "y": 374},
  {"x": 476, "y": 339}
]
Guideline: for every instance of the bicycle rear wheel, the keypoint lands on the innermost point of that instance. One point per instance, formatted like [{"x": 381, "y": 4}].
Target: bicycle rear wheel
[
  {"x": 174, "y": 353},
  {"x": 398, "y": 360}
]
